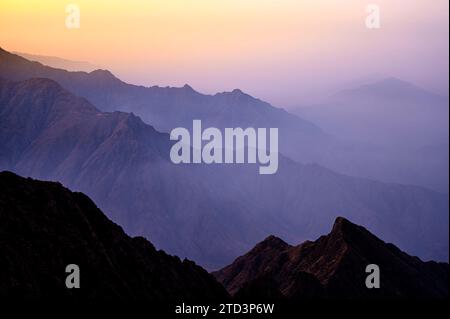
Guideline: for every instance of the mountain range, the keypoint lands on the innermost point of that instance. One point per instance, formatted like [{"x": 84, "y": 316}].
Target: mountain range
[
  {"x": 326, "y": 140},
  {"x": 209, "y": 213},
  {"x": 166, "y": 108},
  {"x": 46, "y": 227}
]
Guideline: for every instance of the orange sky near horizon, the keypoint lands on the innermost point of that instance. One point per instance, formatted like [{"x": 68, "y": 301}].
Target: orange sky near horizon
[{"x": 265, "y": 47}]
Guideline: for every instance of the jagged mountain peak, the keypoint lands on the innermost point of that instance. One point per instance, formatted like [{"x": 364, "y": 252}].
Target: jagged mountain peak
[
  {"x": 335, "y": 266},
  {"x": 273, "y": 242},
  {"x": 345, "y": 229}
]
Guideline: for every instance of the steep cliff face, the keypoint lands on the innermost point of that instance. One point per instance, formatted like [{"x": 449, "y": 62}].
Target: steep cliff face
[
  {"x": 333, "y": 267},
  {"x": 44, "y": 227}
]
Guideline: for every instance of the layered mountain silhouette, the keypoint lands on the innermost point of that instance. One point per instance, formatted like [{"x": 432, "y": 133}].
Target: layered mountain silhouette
[
  {"x": 163, "y": 108},
  {"x": 45, "y": 227},
  {"x": 166, "y": 108},
  {"x": 333, "y": 266},
  {"x": 209, "y": 213},
  {"x": 335, "y": 145}
]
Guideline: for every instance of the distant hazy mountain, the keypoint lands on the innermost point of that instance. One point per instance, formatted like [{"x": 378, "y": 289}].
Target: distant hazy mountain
[
  {"x": 46, "y": 227},
  {"x": 333, "y": 266},
  {"x": 397, "y": 128},
  {"x": 59, "y": 63},
  {"x": 209, "y": 213}
]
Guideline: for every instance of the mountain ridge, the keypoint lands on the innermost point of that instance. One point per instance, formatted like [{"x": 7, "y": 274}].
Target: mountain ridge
[
  {"x": 166, "y": 108},
  {"x": 46, "y": 227},
  {"x": 333, "y": 266}
]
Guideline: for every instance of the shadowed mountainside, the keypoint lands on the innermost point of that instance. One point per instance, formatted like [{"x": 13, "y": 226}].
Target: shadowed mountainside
[
  {"x": 45, "y": 227},
  {"x": 333, "y": 267}
]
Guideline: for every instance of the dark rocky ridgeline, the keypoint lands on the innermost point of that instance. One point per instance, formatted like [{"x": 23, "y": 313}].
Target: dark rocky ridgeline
[
  {"x": 44, "y": 227},
  {"x": 333, "y": 267}
]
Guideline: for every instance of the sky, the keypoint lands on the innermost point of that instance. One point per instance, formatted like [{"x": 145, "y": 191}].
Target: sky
[{"x": 287, "y": 52}]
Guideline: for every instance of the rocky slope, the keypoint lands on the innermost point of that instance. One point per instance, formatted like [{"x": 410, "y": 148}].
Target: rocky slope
[
  {"x": 45, "y": 227},
  {"x": 333, "y": 267}
]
